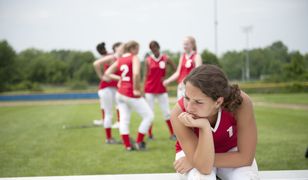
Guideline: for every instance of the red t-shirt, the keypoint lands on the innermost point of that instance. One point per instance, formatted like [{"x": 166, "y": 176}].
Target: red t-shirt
[
  {"x": 224, "y": 132},
  {"x": 155, "y": 74},
  {"x": 188, "y": 64},
  {"x": 103, "y": 84},
  {"x": 125, "y": 69}
]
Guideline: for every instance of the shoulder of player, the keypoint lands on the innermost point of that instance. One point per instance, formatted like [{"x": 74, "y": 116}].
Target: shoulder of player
[{"x": 245, "y": 110}]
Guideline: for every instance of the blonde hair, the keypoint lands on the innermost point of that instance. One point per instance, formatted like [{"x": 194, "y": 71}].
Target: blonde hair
[
  {"x": 130, "y": 45},
  {"x": 192, "y": 40}
]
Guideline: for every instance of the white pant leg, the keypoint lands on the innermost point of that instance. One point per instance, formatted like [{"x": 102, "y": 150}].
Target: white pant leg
[
  {"x": 144, "y": 110},
  {"x": 150, "y": 98},
  {"x": 194, "y": 174},
  {"x": 180, "y": 90},
  {"x": 107, "y": 99},
  {"x": 125, "y": 113},
  {"x": 163, "y": 101},
  {"x": 240, "y": 173}
]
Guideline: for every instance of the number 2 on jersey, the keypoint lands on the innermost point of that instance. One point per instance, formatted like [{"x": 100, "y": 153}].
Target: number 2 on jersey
[{"x": 124, "y": 68}]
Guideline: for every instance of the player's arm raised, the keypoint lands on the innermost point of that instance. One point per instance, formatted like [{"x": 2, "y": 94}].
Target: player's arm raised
[
  {"x": 246, "y": 138},
  {"x": 99, "y": 62},
  {"x": 175, "y": 75},
  {"x": 110, "y": 73}
]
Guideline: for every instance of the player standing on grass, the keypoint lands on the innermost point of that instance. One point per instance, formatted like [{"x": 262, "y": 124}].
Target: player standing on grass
[
  {"x": 129, "y": 95},
  {"x": 215, "y": 127},
  {"x": 188, "y": 61},
  {"x": 107, "y": 90},
  {"x": 155, "y": 67}
]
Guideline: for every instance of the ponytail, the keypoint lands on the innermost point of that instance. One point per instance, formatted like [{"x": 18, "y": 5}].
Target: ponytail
[
  {"x": 234, "y": 98},
  {"x": 101, "y": 49}
]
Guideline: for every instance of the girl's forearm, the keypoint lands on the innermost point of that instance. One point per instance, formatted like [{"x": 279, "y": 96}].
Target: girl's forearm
[
  {"x": 231, "y": 160},
  {"x": 203, "y": 158},
  {"x": 114, "y": 77},
  {"x": 172, "y": 78}
]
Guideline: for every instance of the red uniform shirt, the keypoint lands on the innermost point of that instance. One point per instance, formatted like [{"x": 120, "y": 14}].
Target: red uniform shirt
[
  {"x": 125, "y": 69},
  {"x": 188, "y": 64},
  {"x": 104, "y": 84},
  {"x": 155, "y": 74},
  {"x": 224, "y": 132}
]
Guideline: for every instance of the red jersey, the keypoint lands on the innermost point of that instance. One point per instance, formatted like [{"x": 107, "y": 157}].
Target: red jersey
[
  {"x": 224, "y": 132},
  {"x": 125, "y": 69},
  {"x": 188, "y": 63},
  {"x": 103, "y": 84},
  {"x": 155, "y": 74}
]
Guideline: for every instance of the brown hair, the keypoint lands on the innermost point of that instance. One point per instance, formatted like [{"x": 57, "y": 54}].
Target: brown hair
[
  {"x": 193, "y": 42},
  {"x": 130, "y": 45},
  {"x": 212, "y": 81},
  {"x": 115, "y": 45}
]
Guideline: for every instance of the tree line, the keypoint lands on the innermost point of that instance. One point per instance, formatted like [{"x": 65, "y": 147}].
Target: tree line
[{"x": 31, "y": 68}]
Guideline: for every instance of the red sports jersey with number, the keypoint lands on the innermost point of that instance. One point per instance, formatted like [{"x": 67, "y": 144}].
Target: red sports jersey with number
[
  {"x": 155, "y": 75},
  {"x": 125, "y": 69},
  {"x": 224, "y": 132},
  {"x": 188, "y": 64},
  {"x": 104, "y": 84}
]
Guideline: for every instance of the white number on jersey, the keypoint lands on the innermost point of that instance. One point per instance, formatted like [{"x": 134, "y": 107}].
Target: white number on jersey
[
  {"x": 124, "y": 68},
  {"x": 230, "y": 131},
  {"x": 188, "y": 63}
]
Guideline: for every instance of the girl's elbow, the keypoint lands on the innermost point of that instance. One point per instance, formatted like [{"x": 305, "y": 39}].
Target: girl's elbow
[
  {"x": 205, "y": 169},
  {"x": 248, "y": 161}
]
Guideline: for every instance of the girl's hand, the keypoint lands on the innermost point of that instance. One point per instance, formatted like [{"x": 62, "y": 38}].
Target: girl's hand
[
  {"x": 182, "y": 165},
  {"x": 188, "y": 120},
  {"x": 105, "y": 78},
  {"x": 165, "y": 83},
  {"x": 137, "y": 93}
]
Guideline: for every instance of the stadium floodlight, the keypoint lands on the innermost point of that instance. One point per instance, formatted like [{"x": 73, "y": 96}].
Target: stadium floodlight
[
  {"x": 215, "y": 28},
  {"x": 247, "y": 30}
]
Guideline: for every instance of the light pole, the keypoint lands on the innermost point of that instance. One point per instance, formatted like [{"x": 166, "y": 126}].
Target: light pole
[
  {"x": 247, "y": 30},
  {"x": 215, "y": 27}
]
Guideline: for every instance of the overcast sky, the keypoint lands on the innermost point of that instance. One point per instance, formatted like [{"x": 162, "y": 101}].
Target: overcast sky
[{"x": 81, "y": 24}]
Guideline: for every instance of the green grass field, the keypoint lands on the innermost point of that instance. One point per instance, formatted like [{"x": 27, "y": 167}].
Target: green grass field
[
  {"x": 300, "y": 98},
  {"x": 33, "y": 142}
]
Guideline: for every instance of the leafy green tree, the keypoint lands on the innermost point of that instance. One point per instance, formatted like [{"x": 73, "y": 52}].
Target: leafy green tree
[
  {"x": 232, "y": 63},
  {"x": 209, "y": 58},
  {"x": 296, "y": 68},
  {"x": 7, "y": 62}
]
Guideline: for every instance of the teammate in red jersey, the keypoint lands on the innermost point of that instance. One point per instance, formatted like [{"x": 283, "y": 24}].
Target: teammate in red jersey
[
  {"x": 129, "y": 95},
  {"x": 215, "y": 127},
  {"x": 188, "y": 61},
  {"x": 155, "y": 70},
  {"x": 107, "y": 90}
]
